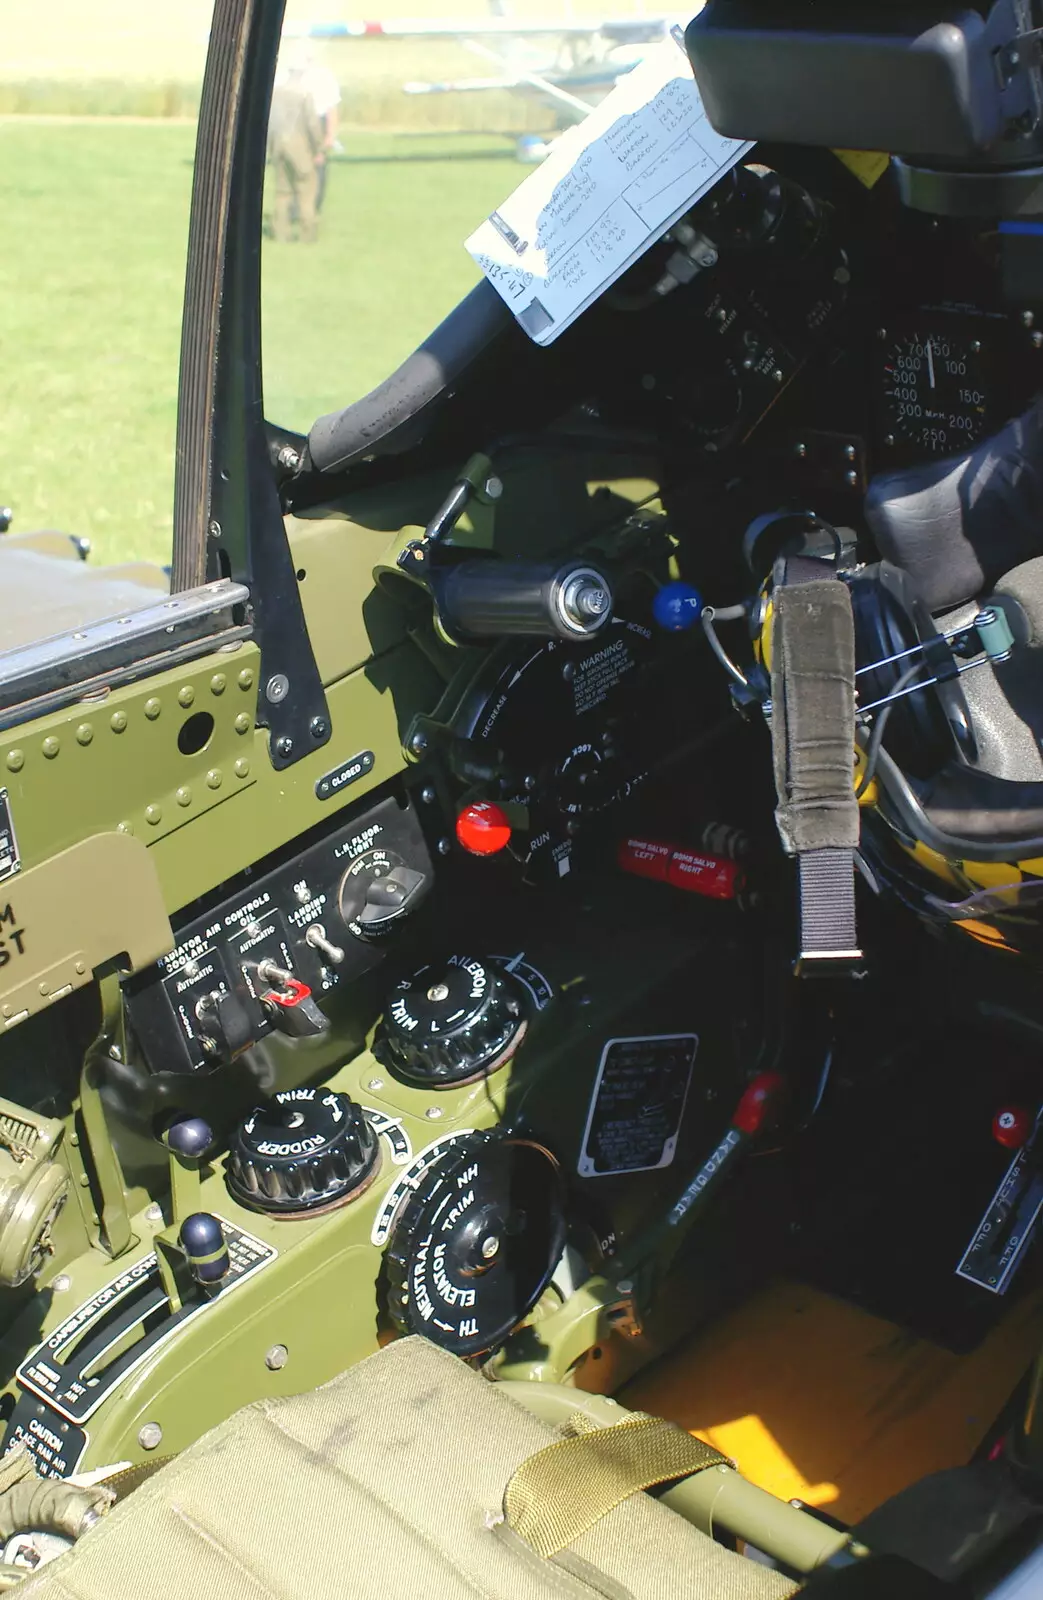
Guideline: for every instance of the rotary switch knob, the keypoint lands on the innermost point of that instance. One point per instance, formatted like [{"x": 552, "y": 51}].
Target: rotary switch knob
[
  {"x": 304, "y": 1150},
  {"x": 451, "y": 1023}
]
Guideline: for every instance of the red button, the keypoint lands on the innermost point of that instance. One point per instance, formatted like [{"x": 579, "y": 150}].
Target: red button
[
  {"x": 1012, "y": 1125},
  {"x": 482, "y": 828}
]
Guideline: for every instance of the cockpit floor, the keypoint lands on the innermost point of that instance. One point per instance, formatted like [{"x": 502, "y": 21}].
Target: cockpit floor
[{"x": 820, "y": 1401}]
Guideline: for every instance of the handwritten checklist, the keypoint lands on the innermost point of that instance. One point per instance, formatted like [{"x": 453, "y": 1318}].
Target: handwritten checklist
[{"x": 608, "y": 189}]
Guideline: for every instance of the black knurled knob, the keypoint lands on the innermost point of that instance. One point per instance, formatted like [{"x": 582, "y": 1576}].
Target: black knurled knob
[
  {"x": 451, "y": 1022},
  {"x": 301, "y": 1150}
]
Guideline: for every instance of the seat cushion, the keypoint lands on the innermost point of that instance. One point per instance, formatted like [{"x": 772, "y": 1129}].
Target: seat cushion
[{"x": 388, "y": 1482}]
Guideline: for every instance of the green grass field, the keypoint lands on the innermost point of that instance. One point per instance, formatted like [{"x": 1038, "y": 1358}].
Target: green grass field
[{"x": 91, "y": 280}]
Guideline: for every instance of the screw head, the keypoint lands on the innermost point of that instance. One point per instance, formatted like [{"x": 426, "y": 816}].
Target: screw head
[
  {"x": 318, "y": 727},
  {"x": 150, "y": 1436},
  {"x": 154, "y": 1213},
  {"x": 1027, "y": 319},
  {"x": 418, "y": 743},
  {"x": 490, "y": 1247},
  {"x": 284, "y": 747},
  {"x": 444, "y": 846},
  {"x": 428, "y": 795},
  {"x": 62, "y": 1283},
  {"x": 433, "y": 1113},
  {"x": 277, "y": 688},
  {"x": 276, "y": 1358},
  {"x": 494, "y": 487},
  {"x": 374, "y": 1084},
  {"x": 289, "y": 458}
]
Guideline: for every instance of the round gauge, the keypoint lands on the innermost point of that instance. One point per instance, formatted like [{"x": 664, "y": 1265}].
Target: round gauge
[{"x": 935, "y": 396}]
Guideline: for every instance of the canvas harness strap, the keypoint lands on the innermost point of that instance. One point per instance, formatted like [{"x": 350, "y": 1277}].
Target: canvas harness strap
[
  {"x": 560, "y": 1492},
  {"x": 813, "y": 742}
]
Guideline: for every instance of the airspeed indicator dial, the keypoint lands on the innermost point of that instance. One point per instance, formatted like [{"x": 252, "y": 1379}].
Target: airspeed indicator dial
[{"x": 935, "y": 399}]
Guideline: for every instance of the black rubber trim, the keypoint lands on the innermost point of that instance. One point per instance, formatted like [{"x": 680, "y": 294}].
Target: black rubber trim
[
  {"x": 392, "y": 415},
  {"x": 211, "y": 184}
]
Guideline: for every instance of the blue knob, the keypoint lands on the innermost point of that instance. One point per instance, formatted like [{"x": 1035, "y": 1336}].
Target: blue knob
[
  {"x": 189, "y": 1137},
  {"x": 203, "y": 1241},
  {"x": 677, "y": 606}
]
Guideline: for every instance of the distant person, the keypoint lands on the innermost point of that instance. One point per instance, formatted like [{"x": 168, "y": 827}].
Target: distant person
[
  {"x": 296, "y": 151},
  {"x": 324, "y": 90}
]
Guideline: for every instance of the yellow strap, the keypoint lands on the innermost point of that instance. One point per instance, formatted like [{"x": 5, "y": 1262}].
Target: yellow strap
[{"x": 561, "y": 1491}]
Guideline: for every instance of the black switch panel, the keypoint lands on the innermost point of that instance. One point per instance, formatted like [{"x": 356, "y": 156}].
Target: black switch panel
[{"x": 322, "y": 917}]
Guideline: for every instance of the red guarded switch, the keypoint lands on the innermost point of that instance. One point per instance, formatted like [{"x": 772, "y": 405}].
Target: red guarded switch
[
  {"x": 645, "y": 858},
  {"x": 1012, "y": 1126},
  {"x": 698, "y": 874},
  {"x": 482, "y": 828},
  {"x": 690, "y": 870}
]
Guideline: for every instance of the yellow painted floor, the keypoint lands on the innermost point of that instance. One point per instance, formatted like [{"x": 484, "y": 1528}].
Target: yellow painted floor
[{"x": 817, "y": 1400}]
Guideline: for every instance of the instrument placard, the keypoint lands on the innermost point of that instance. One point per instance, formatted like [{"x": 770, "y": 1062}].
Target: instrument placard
[
  {"x": 70, "y": 1371},
  {"x": 10, "y": 860},
  {"x": 993, "y": 1255},
  {"x": 56, "y": 1446},
  {"x": 637, "y": 1104}
]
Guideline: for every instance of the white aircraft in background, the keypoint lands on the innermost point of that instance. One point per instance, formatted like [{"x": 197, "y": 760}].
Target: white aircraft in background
[{"x": 570, "y": 65}]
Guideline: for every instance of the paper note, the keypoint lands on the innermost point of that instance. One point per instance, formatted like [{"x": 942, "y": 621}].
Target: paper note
[{"x": 608, "y": 189}]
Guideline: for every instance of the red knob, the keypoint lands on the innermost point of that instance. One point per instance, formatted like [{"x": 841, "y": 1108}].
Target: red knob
[
  {"x": 483, "y": 828},
  {"x": 1012, "y": 1125},
  {"x": 758, "y": 1105}
]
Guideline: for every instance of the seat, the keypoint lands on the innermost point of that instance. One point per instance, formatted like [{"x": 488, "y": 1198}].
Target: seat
[{"x": 388, "y": 1481}]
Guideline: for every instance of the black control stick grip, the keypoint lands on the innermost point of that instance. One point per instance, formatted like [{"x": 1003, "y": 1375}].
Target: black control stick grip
[
  {"x": 488, "y": 599},
  {"x": 958, "y": 525}
]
